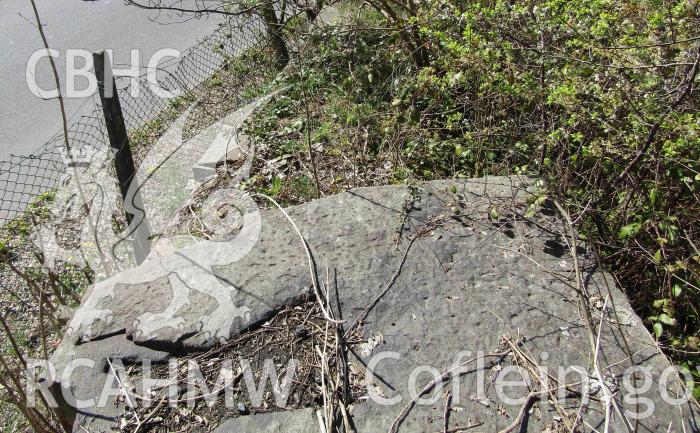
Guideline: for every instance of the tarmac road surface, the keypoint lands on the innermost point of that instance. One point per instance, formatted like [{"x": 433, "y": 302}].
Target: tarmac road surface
[{"x": 27, "y": 121}]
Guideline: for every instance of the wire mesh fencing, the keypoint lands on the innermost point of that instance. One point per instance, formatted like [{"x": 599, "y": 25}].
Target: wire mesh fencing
[
  {"x": 47, "y": 241},
  {"x": 23, "y": 178}
]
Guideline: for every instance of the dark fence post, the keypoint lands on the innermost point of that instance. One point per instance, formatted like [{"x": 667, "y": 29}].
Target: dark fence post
[{"x": 123, "y": 159}]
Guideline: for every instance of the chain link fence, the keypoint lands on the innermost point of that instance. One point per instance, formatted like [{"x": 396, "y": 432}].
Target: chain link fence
[{"x": 24, "y": 177}]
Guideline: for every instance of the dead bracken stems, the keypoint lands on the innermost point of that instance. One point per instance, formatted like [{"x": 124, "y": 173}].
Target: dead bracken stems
[
  {"x": 584, "y": 300},
  {"x": 593, "y": 333},
  {"x": 298, "y": 333},
  {"x": 324, "y": 356},
  {"x": 312, "y": 270},
  {"x": 333, "y": 376}
]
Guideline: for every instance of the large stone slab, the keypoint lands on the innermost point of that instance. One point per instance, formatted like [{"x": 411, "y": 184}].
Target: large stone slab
[
  {"x": 479, "y": 271},
  {"x": 297, "y": 421}
]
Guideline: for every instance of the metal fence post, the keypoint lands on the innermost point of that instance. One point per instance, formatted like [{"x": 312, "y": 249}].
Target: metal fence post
[{"x": 123, "y": 159}]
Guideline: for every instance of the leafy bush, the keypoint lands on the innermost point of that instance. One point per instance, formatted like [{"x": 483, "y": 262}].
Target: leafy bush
[
  {"x": 597, "y": 97},
  {"x": 600, "y": 98}
]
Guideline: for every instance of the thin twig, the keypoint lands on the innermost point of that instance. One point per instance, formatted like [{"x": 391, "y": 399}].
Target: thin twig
[
  {"x": 446, "y": 414},
  {"x": 309, "y": 257},
  {"x": 381, "y": 294},
  {"x": 126, "y": 391},
  {"x": 448, "y": 375},
  {"x": 521, "y": 414},
  {"x": 69, "y": 151},
  {"x": 13, "y": 342}
]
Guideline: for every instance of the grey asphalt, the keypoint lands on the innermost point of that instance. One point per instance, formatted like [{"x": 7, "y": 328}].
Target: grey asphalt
[{"x": 27, "y": 121}]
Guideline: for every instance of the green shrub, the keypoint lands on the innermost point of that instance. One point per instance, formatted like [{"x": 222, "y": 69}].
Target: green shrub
[{"x": 597, "y": 97}]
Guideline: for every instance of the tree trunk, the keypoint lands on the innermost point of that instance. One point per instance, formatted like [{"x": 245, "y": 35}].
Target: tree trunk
[
  {"x": 312, "y": 13},
  {"x": 274, "y": 31}
]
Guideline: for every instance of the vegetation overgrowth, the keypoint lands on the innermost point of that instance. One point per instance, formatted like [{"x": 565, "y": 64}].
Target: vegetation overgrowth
[
  {"x": 599, "y": 98},
  {"x": 36, "y": 299}
]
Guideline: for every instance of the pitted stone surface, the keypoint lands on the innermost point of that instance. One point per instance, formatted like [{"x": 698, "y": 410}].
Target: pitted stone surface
[
  {"x": 296, "y": 421},
  {"x": 188, "y": 272},
  {"x": 464, "y": 285}
]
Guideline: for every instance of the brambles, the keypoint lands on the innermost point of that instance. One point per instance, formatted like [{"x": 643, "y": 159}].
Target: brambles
[{"x": 598, "y": 98}]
